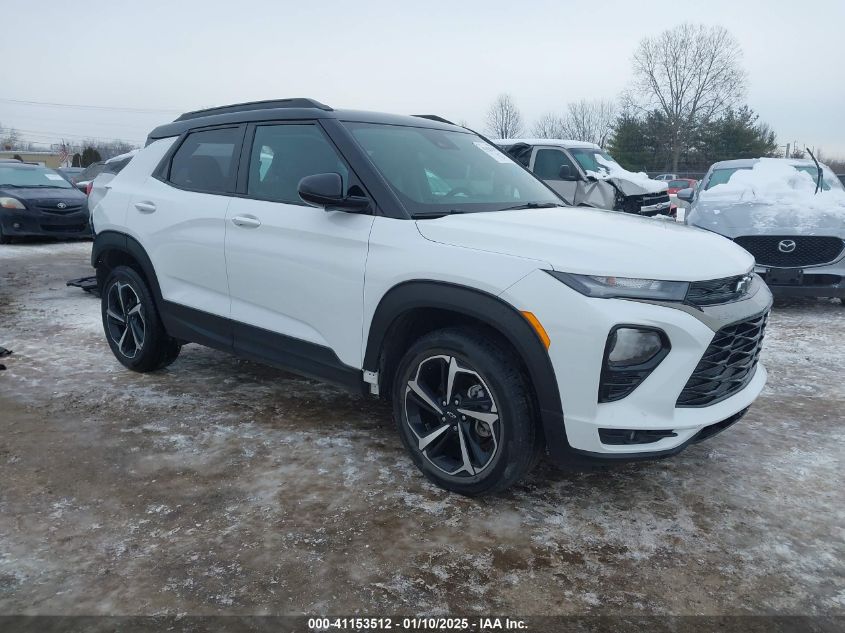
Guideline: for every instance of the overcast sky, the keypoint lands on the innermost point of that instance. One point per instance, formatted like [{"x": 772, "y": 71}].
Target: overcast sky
[{"x": 155, "y": 59}]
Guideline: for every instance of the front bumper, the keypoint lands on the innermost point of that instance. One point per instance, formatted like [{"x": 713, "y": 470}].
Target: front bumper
[
  {"x": 32, "y": 223},
  {"x": 816, "y": 281},
  {"x": 578, "y": 327}
]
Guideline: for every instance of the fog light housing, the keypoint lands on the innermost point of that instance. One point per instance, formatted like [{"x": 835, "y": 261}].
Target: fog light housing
[
  {"x": 632, "y": 346},
  {"x": 630, "y": 355}
]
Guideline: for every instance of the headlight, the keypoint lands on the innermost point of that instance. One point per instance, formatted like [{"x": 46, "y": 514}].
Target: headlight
[
  {"x": 623, "y": 287},
  {"x": 11, "y": 203}
]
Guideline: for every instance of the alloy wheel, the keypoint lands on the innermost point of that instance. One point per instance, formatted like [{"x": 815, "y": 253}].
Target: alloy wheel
[
  {"x": 453, "y": 416},
  {"x": 125, "y": 319}
]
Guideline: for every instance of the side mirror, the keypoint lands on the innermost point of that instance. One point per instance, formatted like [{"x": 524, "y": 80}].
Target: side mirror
[
  {"x": 686, "y": 194},
  {"x": 326, "y": 191},
  {"x": 565, "y": 173}
]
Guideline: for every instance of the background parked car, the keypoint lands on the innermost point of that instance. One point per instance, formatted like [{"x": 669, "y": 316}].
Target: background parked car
[
  {"x": 674, "y": 186},
  {"x": 789, "y": 214},
  {"x": 666, "y": 177},
  {"x": 38, "y": 201},
  {"x": 93, "y": 170},
  {"x": 585, "y": 175},
  {"x": 111, "y": 168}
]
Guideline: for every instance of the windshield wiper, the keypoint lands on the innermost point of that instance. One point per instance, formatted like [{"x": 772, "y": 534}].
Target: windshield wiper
[
  {"x": 820, "y": 171},
  {"x": 532, "y": 205},
  {"x": 437, "y": 214}
]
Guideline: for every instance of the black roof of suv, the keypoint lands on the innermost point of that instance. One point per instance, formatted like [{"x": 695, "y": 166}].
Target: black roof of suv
[{"x": 287, "y": 109}]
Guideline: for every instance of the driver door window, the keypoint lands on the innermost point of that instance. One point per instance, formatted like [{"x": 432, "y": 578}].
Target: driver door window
[{"x": 547, "y": 164}]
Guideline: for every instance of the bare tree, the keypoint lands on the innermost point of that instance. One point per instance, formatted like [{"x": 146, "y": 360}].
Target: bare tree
[
  {"x": 691, "y": 74},
  {"x": 549, "y": 125},
  {"x": 590, "y": 121},
  {"x": 503, "y": 118},
  {"x": 10, "y": 139}
]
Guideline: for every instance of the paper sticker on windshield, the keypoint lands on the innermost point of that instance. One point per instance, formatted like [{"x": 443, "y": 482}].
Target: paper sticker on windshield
[
  {"x": 492, "y": 152},
  {"x": 54, "y": 176}
]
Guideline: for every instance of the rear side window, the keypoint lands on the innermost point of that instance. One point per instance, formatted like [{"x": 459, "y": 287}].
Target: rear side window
[
  {"x": 206, "y": 160},
  {"x": 282, "y": 155}
]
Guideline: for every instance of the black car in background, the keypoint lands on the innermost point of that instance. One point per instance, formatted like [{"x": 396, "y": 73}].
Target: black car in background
[{"x": 37, "y": 201}]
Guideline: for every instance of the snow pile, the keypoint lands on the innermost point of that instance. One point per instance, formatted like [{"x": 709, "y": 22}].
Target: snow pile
[
  {"x": 615, "y": 170},
  {"x": 777, "y": 182},
  {"x": 781, "y": 193}
]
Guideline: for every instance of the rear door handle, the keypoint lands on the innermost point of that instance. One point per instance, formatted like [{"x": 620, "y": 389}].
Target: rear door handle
[
  {"x": 145, "y": 207},
  {"x": 246, "y": 221}
]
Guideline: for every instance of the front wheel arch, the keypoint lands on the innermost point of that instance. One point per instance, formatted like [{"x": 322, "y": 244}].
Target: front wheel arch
[{"x": 415, "y": 301}]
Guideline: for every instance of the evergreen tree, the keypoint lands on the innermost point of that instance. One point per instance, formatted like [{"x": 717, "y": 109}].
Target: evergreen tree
[{"x": 89, "y": 156}]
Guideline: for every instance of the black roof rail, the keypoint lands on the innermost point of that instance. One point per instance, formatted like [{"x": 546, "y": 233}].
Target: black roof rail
[
  {"x": 433, "y": 117},
  {"x": 255, "y": 105}
]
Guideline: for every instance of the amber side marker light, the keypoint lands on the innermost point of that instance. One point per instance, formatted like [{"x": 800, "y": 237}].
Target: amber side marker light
[{"x": 538, "y": 327}]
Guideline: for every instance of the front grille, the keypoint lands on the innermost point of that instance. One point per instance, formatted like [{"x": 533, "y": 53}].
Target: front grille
[
  {"x": 52, "y": 206},
  {"x": 714, "y": 291},
  {"x": 654, "y": 198},
  {"x": 728, "y": 364},
  {"x": 809, "y": 250}
]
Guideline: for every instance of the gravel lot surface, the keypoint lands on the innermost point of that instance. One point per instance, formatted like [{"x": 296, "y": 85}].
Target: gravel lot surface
[{"x": 222, "y": 486}]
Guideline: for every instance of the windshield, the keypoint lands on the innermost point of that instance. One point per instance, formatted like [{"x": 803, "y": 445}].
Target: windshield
[
  {"x": 829, "y": 179},
  {"x": 440, "y": 171},
  {"x": 591, "y": 159},
  {"x": 31, "y": 176}
]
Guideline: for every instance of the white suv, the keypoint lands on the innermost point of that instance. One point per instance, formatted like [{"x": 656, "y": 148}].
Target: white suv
[{"x": 410, "y": 258}]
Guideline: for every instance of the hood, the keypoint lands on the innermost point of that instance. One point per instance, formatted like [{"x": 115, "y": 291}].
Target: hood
[
  {"x": 44, "y": 193},
  {"x": 771, "y": 198},
  {"x": 733, "y": 218},
  {"x": 595, "y": 242},
  {"x": 630, "y": 183}
]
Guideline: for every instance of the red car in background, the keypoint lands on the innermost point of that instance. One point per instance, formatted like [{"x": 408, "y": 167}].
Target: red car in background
[{"x": 673, "y": 187}]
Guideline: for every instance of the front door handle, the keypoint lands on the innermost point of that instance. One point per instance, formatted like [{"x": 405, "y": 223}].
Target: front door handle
[
  {"x": 246, "y": 221},
  {"x": 145, "y": 207}
]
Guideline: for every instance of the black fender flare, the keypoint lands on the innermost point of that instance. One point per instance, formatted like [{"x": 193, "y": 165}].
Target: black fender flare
[
  {"x": 116, "y": 241},
  {"x": 492, "y": 311}
]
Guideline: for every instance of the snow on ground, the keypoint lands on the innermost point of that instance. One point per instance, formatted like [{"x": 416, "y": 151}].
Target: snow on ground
[{"x": 223, "y": 486}]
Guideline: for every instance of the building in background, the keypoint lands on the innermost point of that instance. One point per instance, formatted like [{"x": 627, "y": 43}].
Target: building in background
[{"x": 47, "y": 159}]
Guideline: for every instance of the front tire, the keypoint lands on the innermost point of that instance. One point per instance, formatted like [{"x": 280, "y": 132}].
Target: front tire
[
  {"x": 4, "y": 239},
  {"x": 464, "y": 412},
  {"x": 132, "y": 325}
]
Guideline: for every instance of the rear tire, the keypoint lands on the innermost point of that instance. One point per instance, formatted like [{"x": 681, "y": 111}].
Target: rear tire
[
  {"x": 486, "y": 435},
  {"x": 132, "y": 325}
]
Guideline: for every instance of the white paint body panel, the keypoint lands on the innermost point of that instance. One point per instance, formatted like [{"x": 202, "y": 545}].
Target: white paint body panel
[{"x": 301, "y": 273}]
